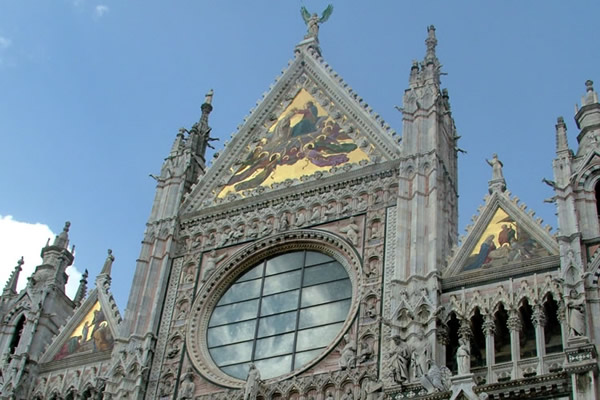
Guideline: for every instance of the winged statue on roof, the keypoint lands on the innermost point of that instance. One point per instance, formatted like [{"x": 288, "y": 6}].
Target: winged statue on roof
[{"x": 312, "y": 21}]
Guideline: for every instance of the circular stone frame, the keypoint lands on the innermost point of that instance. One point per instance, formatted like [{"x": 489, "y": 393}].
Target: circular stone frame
[{"x": 235, "y": 265}]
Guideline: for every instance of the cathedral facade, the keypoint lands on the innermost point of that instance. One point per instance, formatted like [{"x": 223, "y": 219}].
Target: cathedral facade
[{"x": 318, "y": 258}]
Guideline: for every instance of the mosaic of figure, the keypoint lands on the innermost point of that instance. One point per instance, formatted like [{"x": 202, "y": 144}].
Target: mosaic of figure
[
  {"x": 503, "y": 242},
  {"x": 91, "y": 336},
  {"x": 302, "y": 141}
]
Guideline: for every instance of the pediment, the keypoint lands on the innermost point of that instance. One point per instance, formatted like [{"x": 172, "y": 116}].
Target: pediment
[
  {"x": 88, "y": 332},
  {"x": 504, "y": 234},
  {"x": 310, "y": 125}
]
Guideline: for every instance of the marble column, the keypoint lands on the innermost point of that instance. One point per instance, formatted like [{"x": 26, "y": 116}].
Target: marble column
[
  {"x": 539, "y": 322},
  {"x": 489, "y": 329},
  {"x": 515, "y": 325}
]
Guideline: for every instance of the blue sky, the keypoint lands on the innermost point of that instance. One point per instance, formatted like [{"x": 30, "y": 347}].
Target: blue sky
[{"x": 92, "y": 94}]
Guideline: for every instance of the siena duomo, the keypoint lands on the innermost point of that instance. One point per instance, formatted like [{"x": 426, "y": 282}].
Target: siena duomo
[{"x": 318, "y": 258}]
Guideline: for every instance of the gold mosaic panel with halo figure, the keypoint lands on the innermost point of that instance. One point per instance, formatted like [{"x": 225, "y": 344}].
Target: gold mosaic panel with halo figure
[
  {"x": 502, "y": 242},
  {"x": 303, "y": 140},
  {"x": 91, "y": 335}
]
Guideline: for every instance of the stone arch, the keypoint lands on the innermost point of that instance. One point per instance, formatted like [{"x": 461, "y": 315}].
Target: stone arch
[
  {"x": 527, "y": 338},
  {"x": 502, "y": 343},
  {"x": 477, "y": 342}
]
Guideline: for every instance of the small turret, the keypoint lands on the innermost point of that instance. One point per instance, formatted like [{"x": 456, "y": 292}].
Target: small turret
[
  {"x": 588, "y": 120},
  {"x": 55, "y": 260}
]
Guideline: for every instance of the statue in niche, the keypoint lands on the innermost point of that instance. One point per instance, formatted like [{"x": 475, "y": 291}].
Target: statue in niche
[
  {"x": 189, "y": 273},
  {"x": 346, "y": 207},
  {"x": 366, "y": 351},
  {"x": 316, "y": 214},
  {"x": 331, "y": 210},
  {"x": 238, "y": 233},
  {"x": 372, "y": 389},
  {"x": 372, "y": 268},
  {"x": 300, "y": 219},
  {"x": 399, "y": 359},
  {"x": 496, "y": 165},
  {"x": 348, "y": 353},
  {"x": 351, "y": 231},
  {"x": 329, "y": 396},
  {"x": 252, "y": 230},
  {"x": 348, "y": 395},
  {"x": 252, "y": 383},
  {"x": 211, "y": 239},
  {"x": 266, "y": 228},
  {"x": 371, "y": 311},
  {"x": 187, "y": 386},
  {"x": 420, "y": 360},
  {"x": 284, "y": 222},
  {"x": 463, "y": 357},
  {"x": 362, "y": 204},
  {"x": 211, "y": 264},
  {"x": 576, "y": 318}
]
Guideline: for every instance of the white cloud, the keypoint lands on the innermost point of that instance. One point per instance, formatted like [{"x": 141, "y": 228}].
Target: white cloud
[
  {"x": 100, "y": 10},
  {"x": 24, "y": 239},
  {"x": 5, "y": 42}
]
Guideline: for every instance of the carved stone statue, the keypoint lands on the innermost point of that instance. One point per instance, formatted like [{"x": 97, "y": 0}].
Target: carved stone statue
[
  {"x": 348, "y": 395},
  {"x": 437, "y": 379},
  {"x": 463, "y": 357},
  {"x": 576, "y": 318},
  {"x": 496, "y": 165},
  {"x": 366, "y": 351},
  {"x": 351, "y": 231},
  {"x": 329, "y": 396},
  {"x": 211, "y": 264},
  {"x": 348, "y": 353},
  {"x": 420, "y": 359},
  {"x": 312, "y": 21},
  {"x": 372, "y": 390},
  {"x": 252, "y": 383},
  {"x": 400, "y": 358},
  {"x": 300, "y": 219},
  {"x": 187, "y": 387}
]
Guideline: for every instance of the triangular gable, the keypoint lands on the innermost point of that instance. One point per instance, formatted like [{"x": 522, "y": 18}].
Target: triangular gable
[
  {"x": 504, "y": 234},
  {"x": 287, "y": 140},
  {"x": 91, "y": 330}
]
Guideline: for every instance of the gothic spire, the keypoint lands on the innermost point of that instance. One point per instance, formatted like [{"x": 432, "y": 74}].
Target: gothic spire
[
  {"x": 199, "y": 138},
  {"x": 561, "y": 136},
  {"x": 11, "y": 284},
  {"x": 82, "y": 289},
  {"x": 62, "y": 239}
]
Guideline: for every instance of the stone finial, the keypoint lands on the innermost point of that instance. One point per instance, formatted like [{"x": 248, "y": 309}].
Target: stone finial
[
  {"x": 209, "y": 96},
  {"x": 590, "y": 96},
  {"x": 106, "y": 268},
  {"x": 62, "y": 239},
  {"x": 561, "y": 135},
  {"x": 82, "y": 289},
  {"x": 431, "y": 40},
  {"x": 11, "y": 284},
  {"x": 497, "y": 183}
]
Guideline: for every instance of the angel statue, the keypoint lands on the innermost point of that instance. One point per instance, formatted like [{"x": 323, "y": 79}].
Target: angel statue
[{"x": 313, "y": 21}]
